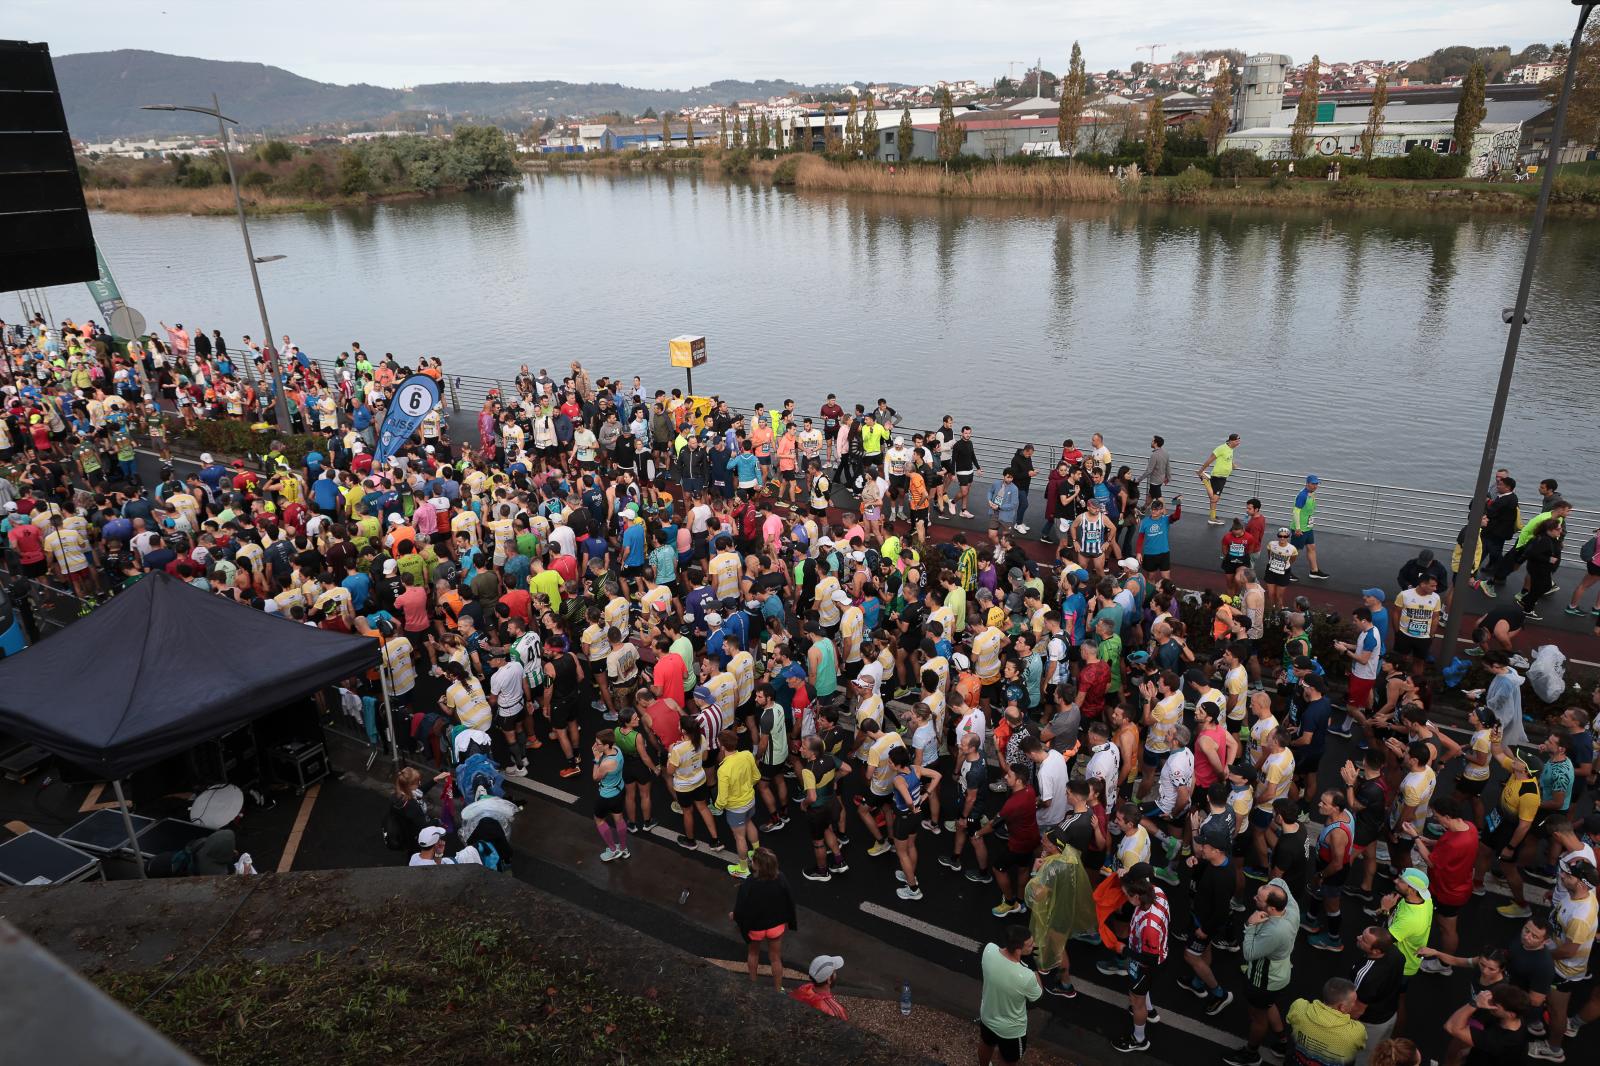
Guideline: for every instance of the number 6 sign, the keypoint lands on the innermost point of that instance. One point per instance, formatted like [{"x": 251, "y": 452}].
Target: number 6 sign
[{"x": 416, "y": 397}]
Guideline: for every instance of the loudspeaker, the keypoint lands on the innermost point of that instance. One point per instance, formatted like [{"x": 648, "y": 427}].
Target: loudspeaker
[{"x": 45, "y": 237}]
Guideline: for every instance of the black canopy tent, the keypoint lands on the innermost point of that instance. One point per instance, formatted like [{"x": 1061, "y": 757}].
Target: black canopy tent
[{"x": 161, "y": 668}]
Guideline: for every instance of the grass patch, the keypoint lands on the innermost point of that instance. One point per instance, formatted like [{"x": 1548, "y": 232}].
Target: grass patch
[
  {"x": 1000, "y": 182},
  {"x": 215, "y": 200},
  {"x": 419, "y": 986}
]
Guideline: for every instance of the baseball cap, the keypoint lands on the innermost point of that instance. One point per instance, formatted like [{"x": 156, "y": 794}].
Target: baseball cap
[
  {"x": 1418, "y": 880},
  {"x": 205, "y": 457},
  {"x": 1312, "y": 479},
  {"x": 1128, "y": 563},
  {"x": 703, "y": 694},
  {"x": 395, "y": 520},
  {"x": 390, "y": 567},
  {"x": 1283, "y": 531},
  {"x": 841, "y": 596},
  {"x": 713, "y": 619},
  {"x": 1139, "y": 873},
  {"x": 960, "y": 661},
  {"x": 1376, "y": 594},
  {"x": 430, "y": 836},
  {"x": 824, "y": 967}
]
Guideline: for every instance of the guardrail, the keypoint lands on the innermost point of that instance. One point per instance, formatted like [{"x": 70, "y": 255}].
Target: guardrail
[{"x": 1370, "y": 511}]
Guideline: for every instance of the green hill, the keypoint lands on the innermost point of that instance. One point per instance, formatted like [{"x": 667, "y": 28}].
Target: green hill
[{"x": 102, "y": 92}]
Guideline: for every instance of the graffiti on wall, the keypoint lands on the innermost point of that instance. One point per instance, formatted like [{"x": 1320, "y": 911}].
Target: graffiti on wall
[{"x": 1492, "y": 147}]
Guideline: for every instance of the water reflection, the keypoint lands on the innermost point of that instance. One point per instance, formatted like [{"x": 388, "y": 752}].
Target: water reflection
[{"x": 1291, "y": 321}]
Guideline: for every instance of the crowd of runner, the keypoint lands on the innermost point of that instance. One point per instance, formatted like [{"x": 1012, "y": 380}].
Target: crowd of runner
[{"x": 728, "y": 624}]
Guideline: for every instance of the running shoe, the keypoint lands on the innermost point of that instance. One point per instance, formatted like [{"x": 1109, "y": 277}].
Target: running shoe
[
  {"x": 837, "y": 865},
  {"x": 648, "y": 824},
  {"x": 1173, "y": 846},
  {"x": 882, "y": 847},
  {"x": 1537, "y": 617},
  {"x": 968, "y": 514},
  {"x": 817, "y": 875},
  {"x": 1065, "y": 991},
  {"x": 1220, "y": 1003},
  {"x": 516, "y": 771},
  {"x": 931, "y": 826},
  {"x": 950, "y": 862},
  {"x": 1126, "y": 1044},
  {"x": 1576, "y": 612},
  {"x": 570, "y": 771},
  {"x": 1434, "y": 966},
  {"x": 1541, "y": 1049},
  {"x": 1112, "y": 967},
  {"x": 1020, "y": 528},
  {"x": 1323, "y": 940},
  {"x": 1513, "y": 910},
  {"x": 687, "y": 843},
  {"x": 609, "y": 854},
  {"x": 1320, "y": 575},
  {"x": 1242, "y": 1057},
  {"x": 906, "y": 892},
  {"x": 1004, "y": 910},
  {"x": 982, "y": 877},
  {"x": 738, "y": 872},
  {"x": 1167, "y": 876}
]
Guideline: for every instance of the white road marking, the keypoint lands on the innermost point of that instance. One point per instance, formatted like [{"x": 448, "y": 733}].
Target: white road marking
[
  {"x": 543, "y": 789},
  {"x": 1169, "y": 1017}
]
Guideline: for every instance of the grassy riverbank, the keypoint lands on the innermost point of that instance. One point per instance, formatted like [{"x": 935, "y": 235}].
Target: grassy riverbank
[
  {"x": 1066, "y": 183},
  {"x": 276, "y": 177}
]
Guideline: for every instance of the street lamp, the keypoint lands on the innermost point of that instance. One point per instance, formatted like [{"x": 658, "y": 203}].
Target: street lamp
[
  {"x": 1515, "y": 317},
  {"x": 215, "y": 111}
]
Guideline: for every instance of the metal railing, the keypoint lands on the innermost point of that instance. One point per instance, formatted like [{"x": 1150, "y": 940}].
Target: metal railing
[{"x": 1367, "y": 510}]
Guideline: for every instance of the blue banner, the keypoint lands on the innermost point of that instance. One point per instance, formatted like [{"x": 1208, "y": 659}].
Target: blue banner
[{"x": 416, "y": 397}]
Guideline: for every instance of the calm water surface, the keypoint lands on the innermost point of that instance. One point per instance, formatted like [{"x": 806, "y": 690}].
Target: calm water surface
[{"x": 1363, "y": 346}]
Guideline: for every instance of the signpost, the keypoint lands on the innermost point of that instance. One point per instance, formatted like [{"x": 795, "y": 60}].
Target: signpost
[{"x": 688, "y": 351}]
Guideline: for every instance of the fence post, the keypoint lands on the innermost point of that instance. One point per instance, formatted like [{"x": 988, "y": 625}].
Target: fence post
[
  {"x": 1372, "y": 515},
  {"x": 455, "y": 395}
]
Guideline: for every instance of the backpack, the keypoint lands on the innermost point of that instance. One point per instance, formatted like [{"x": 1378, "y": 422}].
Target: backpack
[
  {"x": 490, "y": 856},
  {"x": 396, "y": 830}
]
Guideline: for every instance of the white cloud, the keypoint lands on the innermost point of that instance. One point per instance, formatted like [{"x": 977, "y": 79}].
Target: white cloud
[{"x": 679, "y": 43}]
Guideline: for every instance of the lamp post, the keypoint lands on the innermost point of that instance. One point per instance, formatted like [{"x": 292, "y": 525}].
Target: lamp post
[
  {"x": 1515, "y": 318},
  {"x": 215, "y": 111}
]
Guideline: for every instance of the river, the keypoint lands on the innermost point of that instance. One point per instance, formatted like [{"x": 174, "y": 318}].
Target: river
[{"x": 1363, "y": 345}]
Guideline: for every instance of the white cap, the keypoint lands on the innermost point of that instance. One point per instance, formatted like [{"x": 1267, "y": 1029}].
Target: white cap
[
  {"x": 390, "y": 567},
  {"x": 428, "y": 448},
  {"x": 1128, "y": 563},
  {"x": 899, "y": 442},
  {"x": 841, "y": 596},
  {"x": 395, "y": 520},
  {"x": 205, "y": 457},
  {"x": 825, "y": 966},
  {"x": 960, "y": 661},
  {"x": 358, "y": 447},
  {"x": 430, "y": 836},
  {"x": 713, "y": 619}
]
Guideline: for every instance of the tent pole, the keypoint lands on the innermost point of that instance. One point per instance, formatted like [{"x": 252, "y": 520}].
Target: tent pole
[
  {"x": 127, "y": 823},
  {"x": 388, "y": 716}
]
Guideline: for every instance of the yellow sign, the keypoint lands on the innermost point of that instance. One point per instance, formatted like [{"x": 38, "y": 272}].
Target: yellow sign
[{"x": 687, "y": 352}]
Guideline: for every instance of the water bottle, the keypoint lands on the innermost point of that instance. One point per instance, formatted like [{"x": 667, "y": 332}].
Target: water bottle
[{"x": 905, "y": 998}]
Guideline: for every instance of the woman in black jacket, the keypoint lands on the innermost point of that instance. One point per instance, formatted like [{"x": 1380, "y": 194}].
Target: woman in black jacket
[
  {"x": 408, "y": 809},
  {"x": 764, "y": 910}
]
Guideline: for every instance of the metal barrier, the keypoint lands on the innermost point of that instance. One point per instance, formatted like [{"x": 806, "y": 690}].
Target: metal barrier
[{"x": 1398, "y": 513}]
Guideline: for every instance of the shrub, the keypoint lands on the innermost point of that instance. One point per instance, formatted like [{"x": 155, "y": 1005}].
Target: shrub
[
  {"x": 1575, "y": 189},
  {"x": 1188, "y": 185},
  {"x": 1279, "y": 180},
  {"x": 785, "y": 172},
  {"x": 1238, "y": 163},
  {"x": 256, "y": 179},
  {"x": 1352, "y": 188}
]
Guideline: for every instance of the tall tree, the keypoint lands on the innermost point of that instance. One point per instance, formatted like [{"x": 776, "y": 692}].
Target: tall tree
[
  {"x": 1217, "y": 119},
  {"x": 905, "y": 138},
  {"x": 1583, "y": 110},
  {"x": 869, "y": 127},
  {"x": 1155, "y": 135},
  {"x": 1470, "y": 111},
  {"x": 777, "y": 133},
  {"x": 1074, "y": 94},
  {"x": 1305, "y": 116},
  {"x": 830, "y": 132},
  {"x": 951, "y": 135},
  {"x": 852, "y": 130},
  {"x": 764, "y": 131},
  {"x": 722, "y": 130},
  {"x": 795, "y": 143},
  {"x": 749, "y": 129},
  {"x": 688, "y": 131},
  {"x": 1374, "y": 127},
  {"x": 666, "y": 129}
]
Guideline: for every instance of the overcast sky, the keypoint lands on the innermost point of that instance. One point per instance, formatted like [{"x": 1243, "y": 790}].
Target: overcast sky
[{"x": 682, "y": 43}]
